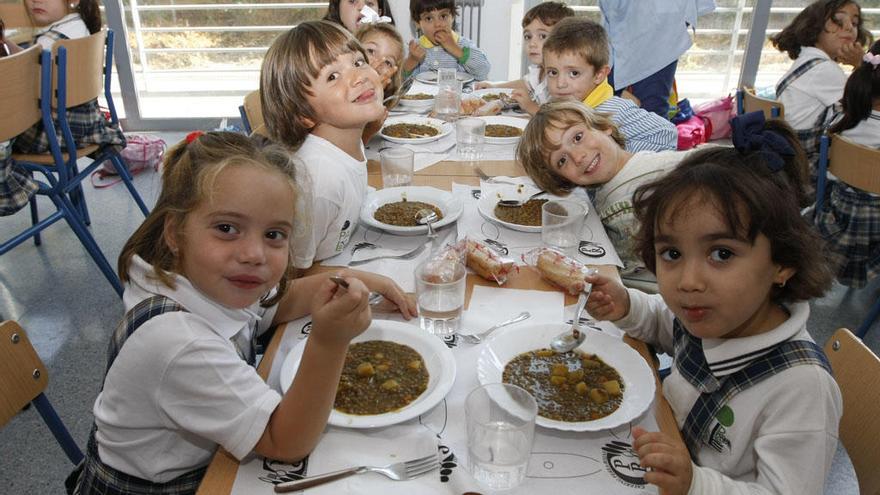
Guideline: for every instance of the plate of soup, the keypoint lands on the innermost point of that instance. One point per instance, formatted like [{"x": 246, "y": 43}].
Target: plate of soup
[
  {"x": 501, "y": 129},
  {"x": 602, "y": 384},
  {"x": 414, "y": 130},
  {"x": 394, "y": 209},
  {"x": 393, "y": 372}
]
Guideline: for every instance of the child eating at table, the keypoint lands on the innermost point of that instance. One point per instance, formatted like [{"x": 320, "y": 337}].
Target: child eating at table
[
  {"x": 350, "y": 13},
  {"x": 531, "y": 91},
  {"x": 736, "y": 264},
  {"x": 576, "y": 67},
  {"x": 384, "y": 48},
  {"x": 439, "y": 47},
  {"x": 318, "y": 94},
  {"x": 208, "y": 269}
]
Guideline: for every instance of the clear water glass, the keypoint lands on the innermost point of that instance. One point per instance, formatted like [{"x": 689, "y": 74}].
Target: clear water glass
[
  {"x": 561, "y": 224},
  {"x": 447, "y": 103},
  {"x": 397, "y": 166},
  {"x": 440, "y": 288},
  {"x": 470, "y": 137},
  {"x": 500, "y": 430}
]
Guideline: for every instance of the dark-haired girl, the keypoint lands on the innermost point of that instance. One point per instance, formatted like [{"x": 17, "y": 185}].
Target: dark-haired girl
[
  {"x": 826, "y": 32},
  {"x": 860, "y": 121},
  {"x": 736, "y": 264},
  {"x": 349, "y": 13},
  {"x": 61, "y": 20}
]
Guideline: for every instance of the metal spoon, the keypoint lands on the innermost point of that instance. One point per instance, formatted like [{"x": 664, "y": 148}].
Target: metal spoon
[
  {"x": 374, "y": 297},
  {"x": 428, "y": 217},
  {"x": 478, "y": 337},
  {"x": 567, "y": 341},
  {"x": 404, "y": 87},
  {"x": 513, "y": 203}
]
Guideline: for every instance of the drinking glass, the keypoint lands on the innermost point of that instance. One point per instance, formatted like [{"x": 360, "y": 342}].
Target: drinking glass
[
  {"x": 500, "y": 430},
  {"x": 440, "y": 287},
  {"x": 561, "y": 223},
  {"x": 470, "y": 135},
  {"x": 397, "y": 166},
  {"x": 447, "y": 103}
]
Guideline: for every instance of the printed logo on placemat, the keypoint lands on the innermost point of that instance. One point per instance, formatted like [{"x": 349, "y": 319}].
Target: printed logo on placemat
[
  {"x": 448, "y": 462},
  {"x": 475, "y": 193},
  {"x": 622, "y": 463},
  {"x": 282, "y": 472}
]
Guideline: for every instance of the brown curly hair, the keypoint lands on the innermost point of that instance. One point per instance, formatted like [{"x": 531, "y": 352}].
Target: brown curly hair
[{"x": 804, "y": 30}]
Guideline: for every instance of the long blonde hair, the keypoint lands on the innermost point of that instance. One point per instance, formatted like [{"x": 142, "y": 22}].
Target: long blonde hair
[
  {"x": 190, "y": 169},
  {"x": 534, "y": 148},
  {"x": 292, "y": 62},
  {"x": 389, "y": 31}
]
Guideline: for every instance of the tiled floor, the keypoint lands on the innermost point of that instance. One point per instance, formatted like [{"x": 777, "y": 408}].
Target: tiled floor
[{"x": 56, "y": 292}]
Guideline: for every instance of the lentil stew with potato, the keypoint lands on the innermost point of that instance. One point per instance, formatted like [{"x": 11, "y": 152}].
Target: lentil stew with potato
[
  {"x": 403, "y": 213},
  {"x": 571, "y": 386},
  {"x": 379, "y": 377}
]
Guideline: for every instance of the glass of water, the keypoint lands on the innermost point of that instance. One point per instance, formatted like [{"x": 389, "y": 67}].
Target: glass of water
[
  {"x": 397, "y": 166},
  {"x": 561, "y": 223},
  {"x": 440, "y": 288},
  {"x": 500, "y": 430},
  {"x": 470, "y": 135},
  {"x": 447, "y": 102}
]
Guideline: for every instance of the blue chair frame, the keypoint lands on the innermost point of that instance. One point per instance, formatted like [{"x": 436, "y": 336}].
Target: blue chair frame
[
  {"x": 245, "y": 123},
  {"x": 56, "y": 187},
  {"x": 821, "y": 185},
  {"x": 741, "y": 106}
]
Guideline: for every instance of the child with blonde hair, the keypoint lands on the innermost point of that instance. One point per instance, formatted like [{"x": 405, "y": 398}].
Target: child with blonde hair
[
  {"x": 318, "y": 93},
  {"x": 576, "y": 57},
  {"x": 531, "y": 90},
  {"x": 822, "y": 34},
  {"x": 384, "y": 48},
  {"x": 208, "y": 270},
  {"x": 61, "y": 20},
  {"x": 439, "y": 46},
  {"x": 736, "y": 265}
]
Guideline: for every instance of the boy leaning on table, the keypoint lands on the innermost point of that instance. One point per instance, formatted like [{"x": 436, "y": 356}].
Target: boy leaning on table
[{"x": 576, "y": 57}]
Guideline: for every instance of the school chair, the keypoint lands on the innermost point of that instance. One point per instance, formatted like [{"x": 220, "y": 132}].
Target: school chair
[
  {"x": 747, "y": 101},
  {"x": 857, "y": 166},
  {"x": 23, "y": 379},
  {"x": 25, "y": 99},
  {"x": 252, "y": 113},
  {"x": 90, "y": 63},
  {"x": 857, "y": 371}
]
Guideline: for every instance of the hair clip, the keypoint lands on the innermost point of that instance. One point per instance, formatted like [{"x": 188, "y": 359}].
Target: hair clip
[
  {"x": 872, "y": 58},
  {"x": 193, "y": 136},
  {"x": 370, "y": 16},
  {"x": 749, "y": 135}
]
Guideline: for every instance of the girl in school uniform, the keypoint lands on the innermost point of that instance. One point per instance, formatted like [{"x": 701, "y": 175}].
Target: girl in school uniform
[
  {"x": 318, "y": 93},
  {"x": 824, "y": 33},
  {"x": 850, "y": 217},
  {"x": 61, "y": 20},
  {"x": 736, "y": 265},
  {"x": 208, "y": 270}
]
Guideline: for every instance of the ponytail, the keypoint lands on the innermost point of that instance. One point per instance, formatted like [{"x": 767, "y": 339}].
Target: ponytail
[
  {"x": 91, "y": 15},
  {"x": 861, "y": 90}
]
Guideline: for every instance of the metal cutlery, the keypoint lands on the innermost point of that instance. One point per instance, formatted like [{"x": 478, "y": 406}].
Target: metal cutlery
[
  {"x": 405, "y": 256},
  {"x": 478, "y": 337},
  {"x": 492, "y": 180},
  {"x": 400, "y": 471},
  {"x": 372, "y": 299},
  {"x": 514, "y": 203}
]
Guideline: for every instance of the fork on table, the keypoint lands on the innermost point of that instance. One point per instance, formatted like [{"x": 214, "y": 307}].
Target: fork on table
[
  {"x": 405, "y": 256},
  {"x": 400, "y": 471},
  {"x": 492, "y": 180}
]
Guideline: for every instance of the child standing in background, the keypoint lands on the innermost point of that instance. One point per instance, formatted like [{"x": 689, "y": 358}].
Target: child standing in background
[
  {"x": 736, "y": 264},
  {"x": 349, "y": 13},
  {"x": 826, "y": 32},
  {"x": 531, "y": 91},
  {"x": 207, "y": 271},
  {"x": 440, "y": 47},
  {"x": 850, "y": 217},
  {"x": 860, "y": 121},
  {"x": 62, "y": 20},
  {"x": 318, "y": 94},
  {"x": 576, "y": 68}
]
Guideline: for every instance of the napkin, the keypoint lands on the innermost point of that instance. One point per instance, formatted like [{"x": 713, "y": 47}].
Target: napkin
[{"x": 491, "y": 305}]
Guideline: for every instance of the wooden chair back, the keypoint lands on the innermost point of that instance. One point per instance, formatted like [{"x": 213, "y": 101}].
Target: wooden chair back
[
  {"x": 85, "y": 67},
  {"x": 19, "y": 92},
  {"x": 857, "y": 371},
  {"x": 855, "y": 164},
  {"x": 14, "y": 14},
  {"x": 24, "y": 375},
  {"x": 752, "y": 103},
  {"x": 254, "y": 110}
]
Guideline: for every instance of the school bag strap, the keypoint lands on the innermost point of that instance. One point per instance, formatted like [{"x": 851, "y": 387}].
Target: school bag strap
[
  {"x": 703, "y": 421},
  {"x": 797, "y": 73},
  {"x": 141, "y": 313}
]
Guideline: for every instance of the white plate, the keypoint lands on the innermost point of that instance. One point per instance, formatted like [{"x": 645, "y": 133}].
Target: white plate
[
  {"x": 438, "y": 361},
  {"x": 448, "y": 204},
  {"x": 444, "y": 127},
  {"x": 417, "y": 105},
  {"x": 490, "y": 91},
  {"x": 511, "y": 121},
  {"x": 430, "y": 77},
  {"x": 638, "y": 380}
]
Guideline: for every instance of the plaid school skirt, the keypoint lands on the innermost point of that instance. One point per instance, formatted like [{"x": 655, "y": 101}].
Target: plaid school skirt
[
  {"x": 87, "y": 124},
  {"x": 16, "y": 185},
  {"x": 850, "y": 223}
]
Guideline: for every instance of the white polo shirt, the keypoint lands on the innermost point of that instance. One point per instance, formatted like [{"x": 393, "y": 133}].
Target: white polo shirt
[
  {"x": 334, "y": 187},
  {"x": 782, "y": 432},
  {"x": 815, "y": 90},
  {"x": 178, "y": 387},
  {"x": 72, "y": 26}
]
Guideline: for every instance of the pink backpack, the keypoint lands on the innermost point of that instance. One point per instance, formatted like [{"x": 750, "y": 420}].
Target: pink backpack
[
  {"x": 717, "y": 114},
  {"x": 140, "y": 153},
  {"x": 692, "y": 132}
]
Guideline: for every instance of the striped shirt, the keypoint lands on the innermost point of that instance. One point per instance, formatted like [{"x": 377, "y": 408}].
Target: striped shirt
[
  {"x": 436, "y": 57},
  {"x": 643, "y": 130}
]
